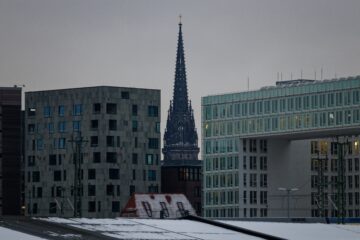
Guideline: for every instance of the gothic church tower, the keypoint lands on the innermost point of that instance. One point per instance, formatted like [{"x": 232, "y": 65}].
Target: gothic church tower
[{"x": 180, "y": 138}]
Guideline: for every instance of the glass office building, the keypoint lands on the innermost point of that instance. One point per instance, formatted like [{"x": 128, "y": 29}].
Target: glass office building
[{"x": 253, "y": 140}]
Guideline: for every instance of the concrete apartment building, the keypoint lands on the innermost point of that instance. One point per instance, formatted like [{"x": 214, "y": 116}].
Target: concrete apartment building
[
  {"x": 10, "y": 150},
  {"x": 88, "y": 149},
  {"x": 286, "y": 150}
]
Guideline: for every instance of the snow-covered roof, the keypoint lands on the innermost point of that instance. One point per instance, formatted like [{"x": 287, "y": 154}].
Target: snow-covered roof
[
  {"x": 300, "y": 231},
  {"x": 125, "y": 228},
  {"x": 9, "y": 234},
  {"x": 157, "y": 206},
  {"x": 153, "y": 229}
]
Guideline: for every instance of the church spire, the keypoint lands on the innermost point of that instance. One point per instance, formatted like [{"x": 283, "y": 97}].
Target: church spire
[
  {"x": 180, "y": 138},
  {"x": 180, "y": 100}
]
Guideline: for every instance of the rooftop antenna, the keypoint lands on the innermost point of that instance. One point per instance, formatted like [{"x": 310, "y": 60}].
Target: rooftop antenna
[
  {"x": 248, "y": 83},
  {"x": 277, "y": 76},
  {"x": 281, "y": 76},
  {"x": 321, "y": 74}
]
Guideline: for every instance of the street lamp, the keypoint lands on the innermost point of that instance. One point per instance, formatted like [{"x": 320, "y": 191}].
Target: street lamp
[{"x": 288, "y": 191}]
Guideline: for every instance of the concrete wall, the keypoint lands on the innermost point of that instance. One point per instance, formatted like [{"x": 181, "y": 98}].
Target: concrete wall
[{"x": 289, "y": 167}]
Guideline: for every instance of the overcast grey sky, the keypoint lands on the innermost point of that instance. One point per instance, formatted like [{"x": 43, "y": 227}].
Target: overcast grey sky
[{"x": 48, "y": 44}]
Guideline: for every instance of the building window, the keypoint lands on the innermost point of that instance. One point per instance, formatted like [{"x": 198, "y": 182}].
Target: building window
[
  {"x": 152, "y": 175},
  {"x": 52, "y": 159},
  {"x": 91, "y": 206},
  {"x": 253, "y": 163},
  {"x": 111, "y": 108},
  {"x": 263, "y": 180},
  {"x": 39, "y": 192},
  {"x": 118, "y": 141},
  {"x": 253, "y": 182},
  {"x": 134, "y": 125},
  {"x": 157, "y": 127},
  {"x": 110, "y": 190},
  {"x": 149, "y": 159},
  {"x": 76, "y": 126},
  {"x": 58, "y": 190},
  {"x": 97, "y": 108},
  {"x": 134, "y": 158},
  {"x": 263, "y": 163},
  {"x": 134, "y": 110},
  {"x": 52, "y": 207},
  {"x": 31, "y": 128},
  {"x": 31, "y": 112},
  {"x": 115, "y": 206},
  {"x": 253, "y": 145},
  {"x": 94, "y": 124},
  {"x": 112, "y": 125},
  {"x": 114, "y": 173},
  {"x": 91, "y": 174},
  {"x": 51, "y": 127},
  {"x": 31, "y": 161},
  {"x": 125, "y": 95},
  {"x": 131, "y": 190},
  {"x": 62, "y": 143},
  {"x": 133, "y": 174},
  {"x": 57, "y": 176},
  {"x": 96, "y": 157},
  {"x": 62, "y": 126},
  {"x": 91, "y": 190},
  {"x": 153, "y": 111},
  {"x": 36, "y": 176},
  {"x": 274, "y": 105},
  {"x": 61, "y": 110},
  {"x": 263, "y": 145},
  {"x": 253, "y": 197},
  {"x": 263, "y": 197},
  {"x": 94, "y": 141},
  {"x": 111, "y": 157},
  {"x": 153, "y": 143},
  {"x": 77, "y": 109},
  {"x": 110, "y": 141},
  {"x": 47, "y": 111},
  {"x": 356, "y": 97},
  {"x": 153, "y": 189},
  {"x": 39, "y": 144}
]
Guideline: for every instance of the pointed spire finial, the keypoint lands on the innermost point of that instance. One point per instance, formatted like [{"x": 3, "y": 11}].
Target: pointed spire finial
[{"x": 180, "y": 19}]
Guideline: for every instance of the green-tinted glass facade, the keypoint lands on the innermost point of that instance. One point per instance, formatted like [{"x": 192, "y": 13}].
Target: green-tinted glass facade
[{"x": 283, "y": 109}]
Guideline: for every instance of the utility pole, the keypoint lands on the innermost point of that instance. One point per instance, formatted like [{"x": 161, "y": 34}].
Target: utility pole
[
  {"x": 321, "y": 184},
  {"x": 340, "y": 185},
  {"x": 78, "y": 142}
]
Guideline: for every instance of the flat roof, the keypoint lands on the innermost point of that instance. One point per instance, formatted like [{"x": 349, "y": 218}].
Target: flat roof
[
  {"x": 100, "y": 86},
  {"x": 296, "y": 87}
]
